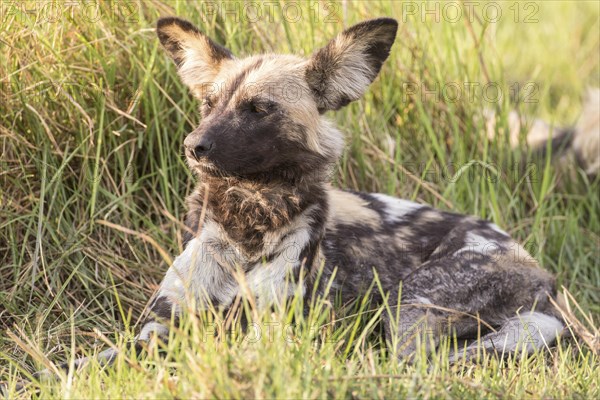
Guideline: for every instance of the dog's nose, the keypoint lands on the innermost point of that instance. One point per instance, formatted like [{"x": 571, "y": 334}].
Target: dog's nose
[{"x": 201, "y": 148}]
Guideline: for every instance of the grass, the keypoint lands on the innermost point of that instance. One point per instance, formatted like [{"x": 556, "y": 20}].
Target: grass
[{"x": 92, "y": 188}]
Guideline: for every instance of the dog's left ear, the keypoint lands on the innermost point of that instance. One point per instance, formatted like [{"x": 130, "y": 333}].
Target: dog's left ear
[
  {"x": 197, "y": 57},
  {"x": 341, "y": 71}
]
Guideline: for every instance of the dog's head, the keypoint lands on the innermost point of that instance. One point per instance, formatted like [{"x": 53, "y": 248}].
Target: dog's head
[{"x": 262, "y": 115}]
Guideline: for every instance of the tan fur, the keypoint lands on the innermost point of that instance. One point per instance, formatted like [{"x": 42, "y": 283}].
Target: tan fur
[
  {"x": 198, "y": 67},
  {"x": 351, "y": 78},
  {"x": 280, "y": 79},
  {"x": 348, "y": 208},
  {"x": 248, "y": 210},
  {"x": 342, "y": 71}
]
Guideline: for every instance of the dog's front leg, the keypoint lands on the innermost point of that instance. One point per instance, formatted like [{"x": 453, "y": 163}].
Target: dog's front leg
[{"x": 194, "y": 281}]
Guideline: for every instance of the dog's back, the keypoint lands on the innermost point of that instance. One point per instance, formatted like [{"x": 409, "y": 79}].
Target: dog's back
[{"x": 445, "y": 267}]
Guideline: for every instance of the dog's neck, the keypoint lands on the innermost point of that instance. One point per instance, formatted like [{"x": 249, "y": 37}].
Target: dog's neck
[{"x": 249, "y": 210}]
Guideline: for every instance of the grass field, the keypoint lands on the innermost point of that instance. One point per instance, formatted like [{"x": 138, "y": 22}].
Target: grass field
[{"x": 93, "y": 180}]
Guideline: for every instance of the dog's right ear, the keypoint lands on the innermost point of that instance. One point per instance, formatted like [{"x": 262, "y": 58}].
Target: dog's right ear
[{"x": 197, "y": 57}]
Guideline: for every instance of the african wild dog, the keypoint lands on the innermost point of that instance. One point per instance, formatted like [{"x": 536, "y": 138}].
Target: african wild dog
[{"x": 262, "y": 160}]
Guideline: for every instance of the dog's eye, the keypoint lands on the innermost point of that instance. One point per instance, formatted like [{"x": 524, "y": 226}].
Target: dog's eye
[
  {"x": 257, "y": 109},
  {"x": 207, "y": 103},
  {"x": 260, "y": 108}
]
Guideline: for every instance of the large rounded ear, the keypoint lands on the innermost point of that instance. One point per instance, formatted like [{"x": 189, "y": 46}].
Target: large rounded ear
[
  {"x": 197, "y": 57},
  {"x": 341, "y": 71}
]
